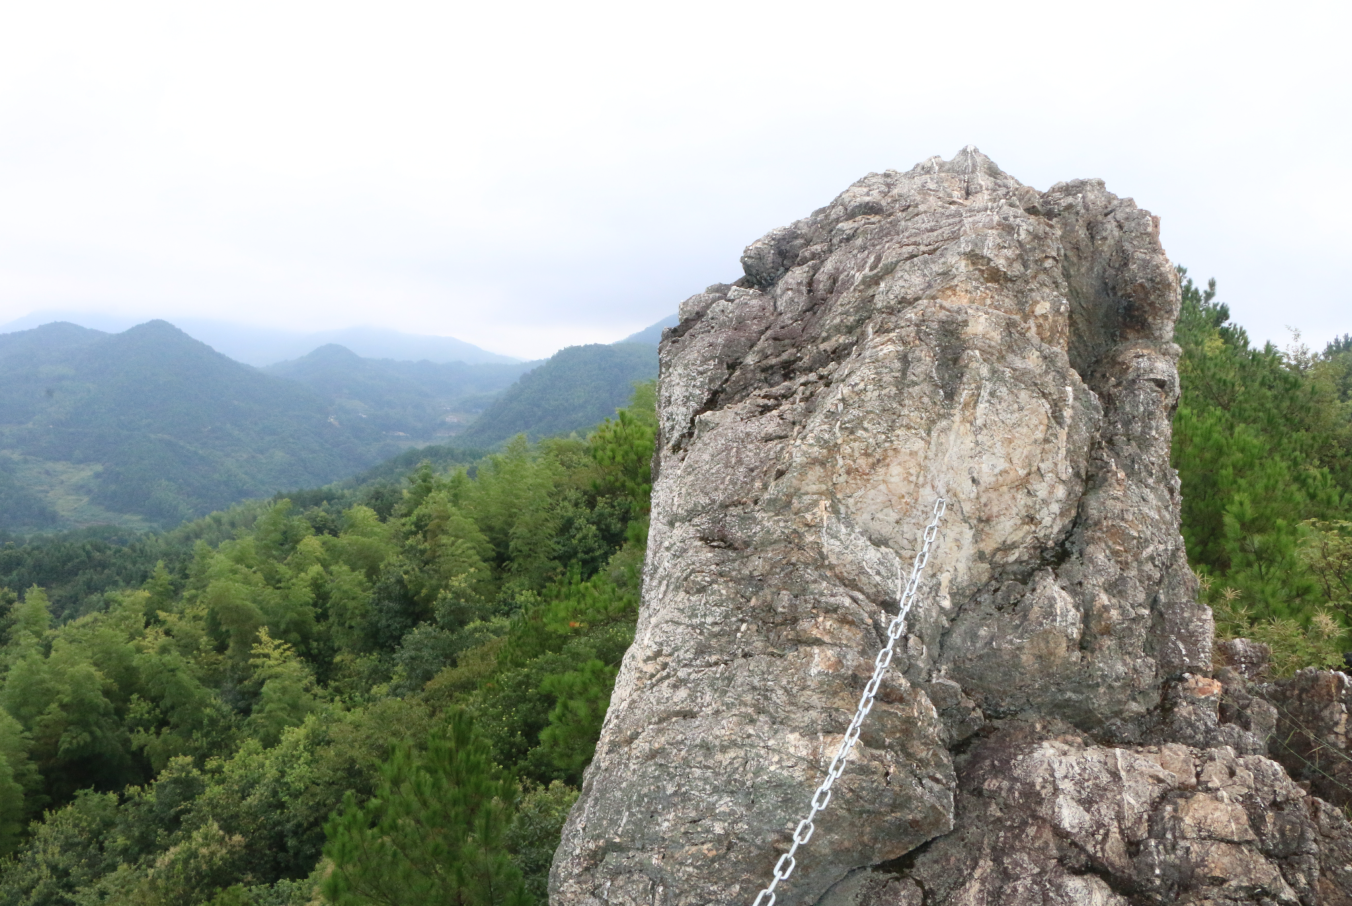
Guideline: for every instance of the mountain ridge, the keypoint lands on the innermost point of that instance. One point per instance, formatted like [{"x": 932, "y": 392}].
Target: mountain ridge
[
  {"x": 577, "y": 387},
  {"x": 425, "y": 400},
  {"x": 263, "y": 346},
  {"x": 150, "y": 426},
  {"x": 155, "y": 426}
]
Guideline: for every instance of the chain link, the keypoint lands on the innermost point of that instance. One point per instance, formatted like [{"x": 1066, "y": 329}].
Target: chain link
[{"x": 803, "y": 832}]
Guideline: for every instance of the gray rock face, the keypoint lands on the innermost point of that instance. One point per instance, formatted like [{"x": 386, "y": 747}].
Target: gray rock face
[
  {"x": 1310, "y": 732},
  {"x": 945, "y": 331},
  {"x": 1047, "y": 817}
]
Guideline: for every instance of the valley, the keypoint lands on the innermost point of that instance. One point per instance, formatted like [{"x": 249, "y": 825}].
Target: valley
[{"x": 149, "y": 427}]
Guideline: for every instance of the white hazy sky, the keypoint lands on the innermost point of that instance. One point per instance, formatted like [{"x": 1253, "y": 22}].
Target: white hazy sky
[{"x": 530, "y": 175}]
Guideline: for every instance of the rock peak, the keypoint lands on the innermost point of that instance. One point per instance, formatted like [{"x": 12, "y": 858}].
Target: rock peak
[
  {"x": 943, "y": 331},
  {"x": 971, "y": 160}
]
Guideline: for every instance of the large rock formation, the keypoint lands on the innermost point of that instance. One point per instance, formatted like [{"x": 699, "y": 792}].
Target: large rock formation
[{"x": 941, "y": 332}]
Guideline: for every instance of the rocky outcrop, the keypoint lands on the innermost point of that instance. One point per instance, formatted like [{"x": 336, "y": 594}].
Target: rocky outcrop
[
  {"x": 1048, "y": 817},
  {"x": 941, "y": 332}
]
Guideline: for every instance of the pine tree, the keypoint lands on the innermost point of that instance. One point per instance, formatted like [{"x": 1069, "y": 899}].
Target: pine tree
[
  {"x": 575, "y": 723},
  {"x": 433, "y": 834},
  {"x": 32, "y": 617},
  {"x": 623, "y": 448},
  {"x": 1261, "y": 445},
  {"x": 160, "y": 588}
]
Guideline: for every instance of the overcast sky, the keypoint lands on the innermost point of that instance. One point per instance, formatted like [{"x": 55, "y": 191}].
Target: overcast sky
[{"x": 527, "y": 176}]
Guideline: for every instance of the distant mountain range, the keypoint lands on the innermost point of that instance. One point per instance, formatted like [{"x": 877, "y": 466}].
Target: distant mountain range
[
  {"x": 151, "y": 425},
  {"x": 480, "y": 405},
  {"x": 419, "y": 400},
  {"x": 264, "y": 346},
  {"x": 148, "y": 427}
]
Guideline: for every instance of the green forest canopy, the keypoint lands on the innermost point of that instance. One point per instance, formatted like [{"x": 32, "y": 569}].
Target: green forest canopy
[
  {"x": 293, "y": 682},
  {"x": 387, "y": 693}
]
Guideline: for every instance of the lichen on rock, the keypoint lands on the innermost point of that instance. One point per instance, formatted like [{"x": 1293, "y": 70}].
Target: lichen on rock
[{"x": 941, "y": 332}]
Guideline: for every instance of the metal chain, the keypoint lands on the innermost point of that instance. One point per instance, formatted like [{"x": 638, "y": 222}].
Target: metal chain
[{"x": 803, "y": 833}]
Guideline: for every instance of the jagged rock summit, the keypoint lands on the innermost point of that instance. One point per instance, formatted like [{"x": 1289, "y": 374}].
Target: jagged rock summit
[{"x": 1048, "y": 733}]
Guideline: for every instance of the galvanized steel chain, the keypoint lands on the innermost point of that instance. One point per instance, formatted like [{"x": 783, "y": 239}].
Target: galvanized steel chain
[{"x": 803, "y": 833}]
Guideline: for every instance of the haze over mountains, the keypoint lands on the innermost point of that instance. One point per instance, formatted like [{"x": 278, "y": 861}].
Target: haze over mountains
[
  {"x": 420, "y": 400},
  {"x": 148, "y": 427},
  {"x": 653, "y": 333},
  {"x": 152, "y": 424},
  {"x": 262, "y": 346}
]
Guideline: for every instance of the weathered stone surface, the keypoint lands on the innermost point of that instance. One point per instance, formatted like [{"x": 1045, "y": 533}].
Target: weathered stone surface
[
  {"x": 1190, "y": 713},
  {"x": 1044, "y": 816},
  {"x": 874, "y": 888},
  {"x": 1246, "y": 657},
  {"x": 1311, "y": 735},
  {"x": 945, "y": 331},
  {"x": 1242, "y": 706}
]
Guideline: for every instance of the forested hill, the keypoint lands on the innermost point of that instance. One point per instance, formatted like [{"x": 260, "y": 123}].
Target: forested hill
[
  {"x": 352, "y": 697},
  {"x": 149, "y": 427},
  {"x": 40, "y": 345},
  {"x": 152, "y": 427},
  {"x": 261, "y": 346},
  {"x": 652, "y": 334},
  {"x": 424, "y": 401},
  {"x": 465, "y": 404},
  {"x": 575, "y": 389}
]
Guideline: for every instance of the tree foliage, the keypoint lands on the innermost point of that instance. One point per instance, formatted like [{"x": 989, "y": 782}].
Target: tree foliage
[
  {"x": 1263, "y": 448},
  {"x": 412, "y": 687},
  {"x": 433, "y": 833}
]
